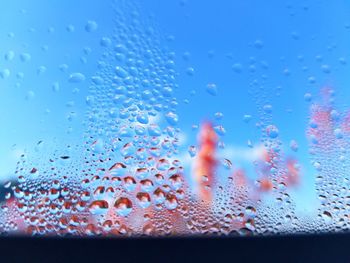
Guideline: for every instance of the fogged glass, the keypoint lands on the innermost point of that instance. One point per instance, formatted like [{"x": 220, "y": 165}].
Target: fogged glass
[{"x": 177, "y": 117}]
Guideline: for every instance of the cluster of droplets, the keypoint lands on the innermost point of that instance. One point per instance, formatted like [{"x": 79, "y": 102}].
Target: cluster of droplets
[
  {"x": 272, "y": 175},
  {"x": 328, "y": 135},
  {"x": 48, "y": 199},
  {"x": 127, "y": 168},
  {"x": 132, "y": 133}
]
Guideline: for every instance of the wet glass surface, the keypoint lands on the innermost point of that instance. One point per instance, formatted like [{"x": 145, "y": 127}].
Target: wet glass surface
[{"x": 174, "y": 118}]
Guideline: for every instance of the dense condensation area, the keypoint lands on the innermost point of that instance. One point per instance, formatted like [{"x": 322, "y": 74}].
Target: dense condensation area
[{"x": 174, "y": 118}]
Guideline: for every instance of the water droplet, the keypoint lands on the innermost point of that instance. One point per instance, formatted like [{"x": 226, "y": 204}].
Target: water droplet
[
  {"x": 294, "y": 145},
  {"x": 192, "y": 150},
  {"x": 91, "y": 26},
  {"x": 9, "y": 56},
  {"x": 5, "y": 73},
  {"x": 212, "y": 89},
  {"x": 171, "y": 202},
  {"x": 123, "y": 206},
  {"x": 99, "y": 207},
  {"x": 227, "y": 163},
  {"x": 144, "y": 199},
  {"x": 76, "y": 77},
  {"x": 272, "y": 131},
  {"x": 25, "y": 57}
]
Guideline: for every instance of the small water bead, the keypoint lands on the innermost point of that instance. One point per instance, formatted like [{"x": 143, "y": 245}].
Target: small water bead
[
  {"x": 123, "y": 206},
  {"x": 338, "y": 133},
  {"x": 87, "y": 50},
  {"x": 154, "y": 130},
  {"x": 97, "y": 80},
  {"x": 70, "y": 28},
  {"x": 144, "y": 199},
  {"x": 159, "y": 196},
  {"x": 317, "y": 166},
  {"x": 294, "y": 145},
  {"x": 167, "y": 91},
  {"x": 163, "y": 164},
  {"x": 5, "y": 73},
  {"x": 41, "y": 70},
  {"x": 171, "y": 202},
  {"x": 126, "y": 131},
  {"x": 226, "y": 163},
  {"x": 63, "y": 67},
  {"x": 99, "y": 207},
  {"x": 147, "y": 185},
  {"x": 326, "y": 68},
  {"x": 83, "y": 60},
  {"x": 175, "y": 182},
  {"x": 91, "y": 26},
  {"x": 172, "y": 118},
  {"x": 53, "y": 194},
  {"x": 220, "y": 130},
  {"x": 76, "y": 77},
  {"x": 55, "y": 86},
  {"x": 238, "y": 68},
  {"x": 105, "y": 42},
  {"x": 98, "y": 146},
  {"x": 272, "y": 131},
  {"x": 141, "y": 154},
  {"x": 121, "y": 72},
  {"x": 311, "y": 79},
  {"x": 219, "y": 115},
  {"x": 8, "y": 195},
  {"x": 335, "y": 115},
  {"x": 342, "y": 61},
  {"x": 204, "y": 178},
  {"x": 118, "y": 169},
  {"x": 142, "y": 118},
  {"x": 99, "y": 192},
  {"x": 250, "y": 224},
  {"x": 247, "y": 118},
  {"x": 327, "y": 216},
  {"x": 211, "y": 54},
  {"x": 142, "y": 173},
  {"x": 25, "y": 57},
  {"x": 267, "y": 108},
  {"x": 7, "y": 184},
  {"x": 259, "y": 44},
  {"x": 186, "y": 56},
  {"x": 107, "y": 225},
  {"x": 9, "y": 56},
  {"x": 45, "y": 48},
  {"x": 190, "y": 71},
  {"x": 128, "y": 150},
  {"x": 170, "y": 64},
  {"x": 307, "y": 97},
  {"x": 250, "y": 211},
  {"x": 250, "y": 144},
  {"x": 30, "y": 95},
  {"x": 252, "y": 68},
  {"x": 212, "y": 89},
  {"x": 129, "y": 183},
  {"x": 20, "y": 75},
  {"x": 192, "y": 150}
]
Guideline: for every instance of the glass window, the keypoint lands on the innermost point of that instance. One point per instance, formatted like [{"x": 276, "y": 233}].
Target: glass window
[{"x": 167, "y": 118}]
